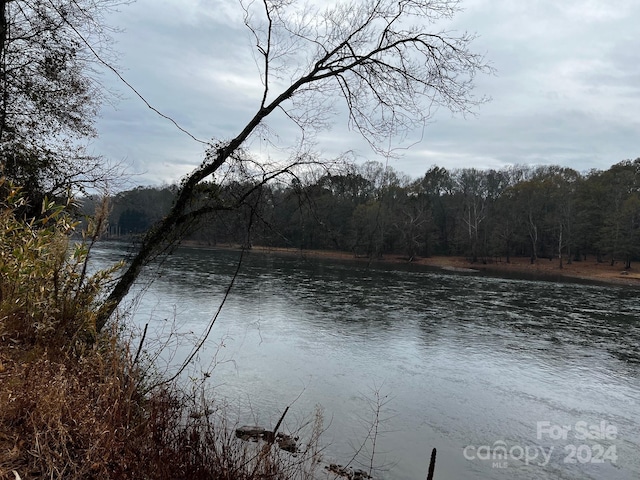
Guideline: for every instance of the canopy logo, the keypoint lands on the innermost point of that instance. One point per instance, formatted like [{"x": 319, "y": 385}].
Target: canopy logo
[{"x": 590, "y": 443}]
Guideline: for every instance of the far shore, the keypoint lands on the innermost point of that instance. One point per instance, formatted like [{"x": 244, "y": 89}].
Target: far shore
[{"x": 543, "y": 268}]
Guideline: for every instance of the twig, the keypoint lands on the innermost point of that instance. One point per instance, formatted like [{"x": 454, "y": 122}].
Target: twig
[
  {"x": 204, "y": 337},
  {"x": 144, "y": 334}
]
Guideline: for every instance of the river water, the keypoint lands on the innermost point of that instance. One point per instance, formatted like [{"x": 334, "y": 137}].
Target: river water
[{"x": 470, "y": 364}]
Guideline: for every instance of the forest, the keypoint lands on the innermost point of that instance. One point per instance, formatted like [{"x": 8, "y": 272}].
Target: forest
[{"x": 372, "y": 210}]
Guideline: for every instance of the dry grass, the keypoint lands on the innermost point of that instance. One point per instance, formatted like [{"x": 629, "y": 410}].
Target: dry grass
[
  {"x": 83, "y": 416},
  {"x": 66, "y": 416}
]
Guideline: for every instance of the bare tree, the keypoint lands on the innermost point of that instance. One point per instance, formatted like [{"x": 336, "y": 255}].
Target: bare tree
[
  {"x": 473, "y": 187},
  {"x": 375, "y": 55}
]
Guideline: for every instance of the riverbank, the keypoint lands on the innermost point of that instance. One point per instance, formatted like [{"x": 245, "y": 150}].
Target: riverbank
[{"x": 589, "y": 269}]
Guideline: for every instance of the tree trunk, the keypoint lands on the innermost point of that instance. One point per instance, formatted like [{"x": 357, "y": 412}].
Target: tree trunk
[
  {"x": 560, "y": 246},
  {"x": 159, "y": 237},
  {"x": 3, "y": 46},
  {"x": 533, "y": 235}
]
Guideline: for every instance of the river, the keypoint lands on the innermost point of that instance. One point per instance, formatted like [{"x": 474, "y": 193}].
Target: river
[{"x": 470, "y": 364}]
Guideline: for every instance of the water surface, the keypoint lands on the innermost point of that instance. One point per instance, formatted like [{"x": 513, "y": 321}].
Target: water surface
[{"x": 464, "y": 363}]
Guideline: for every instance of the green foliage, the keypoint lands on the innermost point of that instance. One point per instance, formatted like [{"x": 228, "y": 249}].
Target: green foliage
[
  {"x": 49, "y": 97},
  {"x": 46, "y": 295}
]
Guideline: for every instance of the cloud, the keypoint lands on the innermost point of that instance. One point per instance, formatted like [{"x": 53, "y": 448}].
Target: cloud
[{"x": 566, "y": 88}]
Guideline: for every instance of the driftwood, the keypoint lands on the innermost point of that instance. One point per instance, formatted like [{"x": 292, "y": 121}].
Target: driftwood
[
  {"x": 252, "y": 433},
  {"x": 255, "y": 433}
]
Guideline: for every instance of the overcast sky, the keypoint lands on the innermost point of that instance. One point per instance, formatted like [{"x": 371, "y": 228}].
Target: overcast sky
[{"x": 566, "y": 89}]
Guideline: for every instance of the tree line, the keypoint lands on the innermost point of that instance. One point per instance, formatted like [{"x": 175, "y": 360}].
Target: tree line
[{"x": 371, "y": 210}]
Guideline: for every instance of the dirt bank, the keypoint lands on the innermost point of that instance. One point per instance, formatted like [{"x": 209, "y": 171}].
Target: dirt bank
[{"x": 588, "y": 269}]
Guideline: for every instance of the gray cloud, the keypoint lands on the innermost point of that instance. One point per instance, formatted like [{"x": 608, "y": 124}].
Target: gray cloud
[{"x": 566, "y": 88}]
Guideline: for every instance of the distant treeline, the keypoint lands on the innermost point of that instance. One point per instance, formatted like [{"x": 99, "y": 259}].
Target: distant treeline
[{"x": 372, "y": 210}]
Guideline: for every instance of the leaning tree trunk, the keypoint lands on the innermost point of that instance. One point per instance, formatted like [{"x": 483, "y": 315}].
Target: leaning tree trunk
[{"x": 167, "y": 231}]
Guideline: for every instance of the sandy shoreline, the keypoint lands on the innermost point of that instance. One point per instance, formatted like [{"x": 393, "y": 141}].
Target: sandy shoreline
[{"x": 543, "y": 268}]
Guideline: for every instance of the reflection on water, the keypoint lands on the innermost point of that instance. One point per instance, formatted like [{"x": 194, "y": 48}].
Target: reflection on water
[{"x": 465, "y": 361}]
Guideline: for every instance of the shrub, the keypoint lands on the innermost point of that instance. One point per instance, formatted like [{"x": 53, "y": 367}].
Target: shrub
[{"x": 46, "y": 295}]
